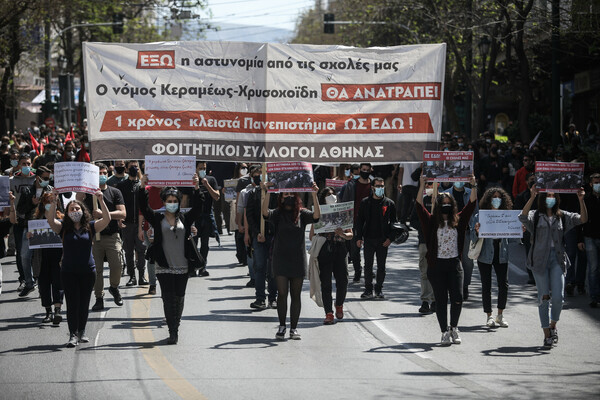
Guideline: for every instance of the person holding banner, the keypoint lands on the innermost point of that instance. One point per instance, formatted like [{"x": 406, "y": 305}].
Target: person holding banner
[
  {"x": 289, "y": 220},
  {"x": 5, "y": 225},
  {"x": 444, "y": 232},
  {"x": 547, "y": 258},
  {"x": 494, "y": 253},
  {"x": 49, "y": 283},
  {"x": 173, "y": 249},
  {"x": 78, "y": 269},
  {"x": 331, "y": 260}
]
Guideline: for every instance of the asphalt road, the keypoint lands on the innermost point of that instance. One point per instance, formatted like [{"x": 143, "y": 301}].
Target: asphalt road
[{"x": 382, "y": 349}]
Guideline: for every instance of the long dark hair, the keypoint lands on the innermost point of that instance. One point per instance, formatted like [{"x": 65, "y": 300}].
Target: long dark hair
[
  {"x": 171, "y": 191},
  {"x": 69, "y": 225},
  {"x": 437, "y": 211},
  {"x": 40, "y": 211},
  {"x": 542, "y": 204},
  {"x": 324, "y": 193},
  {"x": 295, "y": 210},
  {"x": 486, "y": 201}
]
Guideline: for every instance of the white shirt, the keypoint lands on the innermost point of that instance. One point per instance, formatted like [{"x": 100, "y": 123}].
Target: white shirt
[{"x": 447, "y": 242}]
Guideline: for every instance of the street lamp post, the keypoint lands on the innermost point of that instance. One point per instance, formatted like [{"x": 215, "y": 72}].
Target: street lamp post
[{"x": 484, "y": 47}]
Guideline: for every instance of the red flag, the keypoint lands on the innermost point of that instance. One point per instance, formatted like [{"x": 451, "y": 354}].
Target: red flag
[
  {"x": 34, "y": 143},
  {"x": 70, "y": 135}
]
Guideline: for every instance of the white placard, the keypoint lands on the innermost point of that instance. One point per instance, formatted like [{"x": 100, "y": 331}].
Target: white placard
[
  {"x": 499, "y": 224},
  {"x": 43, "y": 236},
  {"x": 74, "y": 176},
  {"x": 333, "y": 216},
  {"x": 170, "y": 170}
]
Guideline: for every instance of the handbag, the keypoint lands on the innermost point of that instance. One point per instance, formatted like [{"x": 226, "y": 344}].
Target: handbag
[
  {"x": 196, "y": 261},
  {"x": 475, "y": 249}
]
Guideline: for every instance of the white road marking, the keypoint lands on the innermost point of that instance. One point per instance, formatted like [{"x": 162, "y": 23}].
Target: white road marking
[{"x": 396, "y": 338}]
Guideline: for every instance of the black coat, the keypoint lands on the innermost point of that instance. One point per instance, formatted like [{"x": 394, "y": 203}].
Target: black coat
[
  {"x": 156, "y": 251},
  {"x": 386, "y": 218}
]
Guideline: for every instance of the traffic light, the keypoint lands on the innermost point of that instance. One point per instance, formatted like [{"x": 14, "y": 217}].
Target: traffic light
[
  {"x": 328, "y": 26},
  {"x": 118, "y": 21}
]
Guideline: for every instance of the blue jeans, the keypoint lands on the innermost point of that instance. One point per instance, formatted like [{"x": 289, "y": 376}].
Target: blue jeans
[
  {"x": 551, "y": 283},
  {"x": 26, "y": 256},
  {"x": 261, "y": 275},
  {"x": 250, "y": 260},
  {"x": 592, "y": 248},
  {"x": 575, "y": 274}
]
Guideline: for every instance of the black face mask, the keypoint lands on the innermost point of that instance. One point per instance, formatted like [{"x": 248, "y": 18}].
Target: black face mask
[
  {"x": 446, "y": 209},
  {"x": 365, "y": 174},
  {"x": 529, "y": 167},
  {"x": 289, "y": 202},
  {"x": 119, "y": 170},
  {"x": 256, "y": 180},
  {"x": 133, "y": 171}
]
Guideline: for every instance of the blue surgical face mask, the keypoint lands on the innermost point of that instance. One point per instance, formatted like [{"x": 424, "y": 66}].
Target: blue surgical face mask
[
  {"x": 103, "y": 179},
  {"x": 51, "y": 176},
  {"x": 44, "y": 183},
  {"x": 596, "y": 187},
  {"x": 347, "y": 173},
  {"x": 550, "y": 202},
  {"x": 202, "y": 174},
  {"x": 496, "y": 202},
  {"x": 379, "y": 191},
  {"x": 459, "y": 185},
  {"x": 355, "y": 176},
  {"x": 172, "y": 207},
  {"x": 14, "y": 163},
  {"x": 47, "y": 207},
  {"x": 25, "y": 170}
]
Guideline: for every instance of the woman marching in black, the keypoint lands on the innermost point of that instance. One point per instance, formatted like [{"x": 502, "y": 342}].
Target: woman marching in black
[
  {"x": 289, "y": 252},
  {"x": 173, "y": 249},
  {"x": 78, "y": 269},
  {"x": 444, "y": 232}
]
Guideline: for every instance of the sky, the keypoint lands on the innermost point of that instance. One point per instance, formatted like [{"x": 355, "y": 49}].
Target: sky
[{"x": 267, "y": 18}]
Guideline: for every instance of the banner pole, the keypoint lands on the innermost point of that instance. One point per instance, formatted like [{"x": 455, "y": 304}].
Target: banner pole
[
  {"x": 262, "y": 198},
  {"x": 95, "y": 207}
]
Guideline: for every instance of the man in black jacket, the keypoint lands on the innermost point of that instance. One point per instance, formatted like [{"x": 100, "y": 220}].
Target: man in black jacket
[
  {"x": 373, "y": 227},
  {"x": 260, "y": 244}
]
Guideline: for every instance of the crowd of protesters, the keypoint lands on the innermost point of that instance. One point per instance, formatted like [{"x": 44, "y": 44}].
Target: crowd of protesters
[{"x": 121, "y": 226}]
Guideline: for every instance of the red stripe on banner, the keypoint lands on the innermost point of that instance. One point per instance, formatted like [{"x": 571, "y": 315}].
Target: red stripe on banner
[
  {"x": 261, "y": 123},
  {"x": 381, "y": 91}
]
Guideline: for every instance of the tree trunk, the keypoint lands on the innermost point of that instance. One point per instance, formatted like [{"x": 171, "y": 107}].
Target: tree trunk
[{"x": 8, "y": 76}]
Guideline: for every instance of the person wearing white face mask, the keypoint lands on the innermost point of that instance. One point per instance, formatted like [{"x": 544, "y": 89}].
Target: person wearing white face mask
[
  {"x": 332, "y": 261},
  {"x": 494, "y": 254},
  {"x": 547, "y": 258},
  {"x": 373, "y": 226},
  {"x": 591, "y": 240},
  {"x": 173, "y": 249},
  {"x": 78, "y": 269}
]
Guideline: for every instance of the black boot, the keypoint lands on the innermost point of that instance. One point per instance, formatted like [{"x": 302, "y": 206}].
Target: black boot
[
  {"x": 179, "y": 301},
  {"x": 170, "y": 313},
  {"x": 48, "y": 317}
]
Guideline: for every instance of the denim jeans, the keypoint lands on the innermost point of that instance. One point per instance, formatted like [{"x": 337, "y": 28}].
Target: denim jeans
[
  {"x": 550, "y": 282},
  {"x": 575, "y": 274},
  {"x": 26, "y": 256},
  {"x": 261, "y": 275},
  {"x": 592, "y": 248}
]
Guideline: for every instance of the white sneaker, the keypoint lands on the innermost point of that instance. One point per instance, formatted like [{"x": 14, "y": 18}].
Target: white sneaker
[
  {"x": 501, "y": 321},
  {"x": 454, "y": 333},
  {"x": 491, "y": 322},
  {"x": 446, "y": 341}
]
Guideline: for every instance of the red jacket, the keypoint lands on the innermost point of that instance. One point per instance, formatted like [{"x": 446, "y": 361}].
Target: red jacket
[{"x": 520, "y": 182}]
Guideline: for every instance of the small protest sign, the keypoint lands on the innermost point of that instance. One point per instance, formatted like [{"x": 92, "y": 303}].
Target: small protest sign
[
  {"x": 43, "y": 236},
  {"x": 4, "y": 189},
  {"x": 170, "y": 170},
  {"x": 448, "y": 166},
  {"x": 499, "y": 224},
  {"x": 74, "y": 176},
  {"x": 333, "y": 216},
  {"x": 559, "y": 177},
  {"x": 290, "y": 177},
  {"x": 229, "y": 189}
]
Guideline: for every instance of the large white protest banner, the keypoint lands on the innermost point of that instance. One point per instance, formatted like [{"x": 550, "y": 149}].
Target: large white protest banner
[
  {"x": 170, "y": 170},
  {"x": 500, "y": 224},
  {"x": 74, "y": 176},
  {"x": 264, "y": 102}
]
